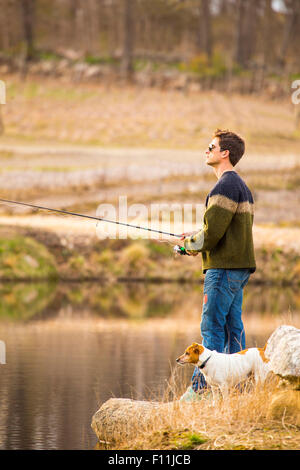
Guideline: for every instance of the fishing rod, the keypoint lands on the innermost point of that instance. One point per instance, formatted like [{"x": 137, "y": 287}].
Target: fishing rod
[{"x": 177, "y": 248}]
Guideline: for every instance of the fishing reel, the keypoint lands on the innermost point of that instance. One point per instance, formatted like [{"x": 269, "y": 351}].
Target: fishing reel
[{"x": 180, "y": 250}]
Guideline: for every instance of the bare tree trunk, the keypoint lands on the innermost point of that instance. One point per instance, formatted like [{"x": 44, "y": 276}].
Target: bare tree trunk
[
  {"x": 239, "y": 40},
  {"x": 73, "y": 26},
  {"x": 245, "y": 31},
  {"x": 89, "y": 25},
  {"x": 223, "y": 7},
  {"x": 10, "y": 26},
  {"x": 251, "y": 28},
  {"x": 4, "y": 25},
  {"x": 290, "y": 24},
  {"x": 28, "y": 18},
  {"x": 267, "y": 33},
  {"x": 205, "y": 34},
  {"x": 114, "y": 27},
  {"x": 128, "y": 40}
]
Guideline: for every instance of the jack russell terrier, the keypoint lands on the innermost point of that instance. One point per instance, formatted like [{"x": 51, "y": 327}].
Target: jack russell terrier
[{"x": 227, "y": 370}]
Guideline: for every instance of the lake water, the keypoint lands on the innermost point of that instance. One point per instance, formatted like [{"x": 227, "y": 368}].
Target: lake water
[{"x": 70, "y": 347}]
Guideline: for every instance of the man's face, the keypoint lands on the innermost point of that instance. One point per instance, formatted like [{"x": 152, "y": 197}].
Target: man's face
[{"x": 213, "y": 153}]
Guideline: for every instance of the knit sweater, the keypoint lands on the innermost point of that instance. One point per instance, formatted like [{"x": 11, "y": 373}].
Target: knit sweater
[{"x": 225, "y": 240}]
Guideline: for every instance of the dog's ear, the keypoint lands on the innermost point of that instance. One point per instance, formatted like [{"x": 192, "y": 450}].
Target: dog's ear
[{"x": 197, "y": 348}]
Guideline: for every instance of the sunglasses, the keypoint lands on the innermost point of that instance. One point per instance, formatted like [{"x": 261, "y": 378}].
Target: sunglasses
[{"x": 211, "y": 147}]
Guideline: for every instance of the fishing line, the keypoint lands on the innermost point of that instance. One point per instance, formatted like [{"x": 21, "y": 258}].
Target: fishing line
[{"x": 60, "y": 211}]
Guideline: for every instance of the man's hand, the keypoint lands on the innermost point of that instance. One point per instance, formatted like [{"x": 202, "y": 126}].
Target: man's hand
[
  {"x": 180, "y": 250},
  {"x": 192, "y": 253},
  {"x": 187, "y": 234}
]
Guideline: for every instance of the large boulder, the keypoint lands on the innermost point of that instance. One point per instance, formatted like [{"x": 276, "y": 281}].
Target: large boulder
[
  {"x": 283, "y": 352},
  {"x": 119, "y": 417}
]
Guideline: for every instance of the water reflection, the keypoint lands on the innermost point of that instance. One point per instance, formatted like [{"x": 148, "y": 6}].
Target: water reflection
[
  {"x": 72, "y": 347},
  {"x": 136, "y": 300},
  {"x": 21, "y": 301}
]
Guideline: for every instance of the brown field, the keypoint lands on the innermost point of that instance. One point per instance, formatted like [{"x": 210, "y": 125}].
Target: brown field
[{"x": 55, "y": 110}]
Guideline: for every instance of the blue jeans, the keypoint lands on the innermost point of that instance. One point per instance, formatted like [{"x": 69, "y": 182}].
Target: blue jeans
[{"x": 222, "y": 328}]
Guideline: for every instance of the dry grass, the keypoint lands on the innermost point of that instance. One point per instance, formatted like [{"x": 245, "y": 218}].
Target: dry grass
[
  {"x": 239, "y": 423},
  {"x": 133, "y": 117}
]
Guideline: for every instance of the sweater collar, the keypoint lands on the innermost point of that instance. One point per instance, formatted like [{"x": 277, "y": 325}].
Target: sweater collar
[{"x": 227, "y": 171}]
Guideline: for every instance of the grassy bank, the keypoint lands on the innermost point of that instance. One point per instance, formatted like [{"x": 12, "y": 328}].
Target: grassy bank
[
  {"x": 27, "y": 254},
  {"x": 22, "y": 257},
  {"x": 241, "y": 422}
]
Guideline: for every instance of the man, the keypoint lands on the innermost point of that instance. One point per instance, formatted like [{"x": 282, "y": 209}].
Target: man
[{"x": 226, "y": 244}]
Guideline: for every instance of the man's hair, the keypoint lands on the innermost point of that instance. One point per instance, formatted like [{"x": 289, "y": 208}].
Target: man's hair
[{"x": 232, "y": 142}]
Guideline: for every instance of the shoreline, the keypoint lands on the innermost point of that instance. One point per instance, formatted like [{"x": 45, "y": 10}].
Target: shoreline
[{"x": 37, "y": 254}]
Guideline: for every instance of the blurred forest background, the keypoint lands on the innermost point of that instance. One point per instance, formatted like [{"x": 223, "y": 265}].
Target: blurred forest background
[
  {"x": 209, "y": 40},
  {"x": 84, "y": 55}
]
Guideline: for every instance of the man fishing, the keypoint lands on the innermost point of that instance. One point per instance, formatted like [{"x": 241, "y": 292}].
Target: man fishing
[{"x": 226, "y": 245}]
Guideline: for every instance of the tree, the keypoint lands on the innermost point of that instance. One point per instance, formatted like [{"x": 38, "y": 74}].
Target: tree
[
  {"x": 292, "y": 19},
  {"x": 268, "y": 33},
  {"x": 128, "y": 40},
  {"x": 205, "y": 34},
  {"x": 28, "y": 19},
  {"x": 246, "y": 30}
]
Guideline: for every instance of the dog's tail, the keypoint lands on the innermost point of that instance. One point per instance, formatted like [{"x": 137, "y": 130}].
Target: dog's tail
[{"x": 262, "y": 353}]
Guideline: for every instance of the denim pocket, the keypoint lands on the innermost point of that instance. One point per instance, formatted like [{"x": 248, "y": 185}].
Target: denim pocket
[
  {"x": 212, "y": 279},
  {"x": 237, "y": 278}
]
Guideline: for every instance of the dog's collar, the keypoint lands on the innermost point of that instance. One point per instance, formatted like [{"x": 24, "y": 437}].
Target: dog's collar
[{"x": 204, "y": 363}]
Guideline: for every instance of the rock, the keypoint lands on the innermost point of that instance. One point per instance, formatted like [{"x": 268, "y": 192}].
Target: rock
[
  {"x": 62, "y": 66},
  {"x": 180, "y": 83},
  {"x": 120, "y": 417},
  {"x": 79, "y": 70},
  {"x": 194, "y": 87},
  {"x": 93, "y": 71},
  {"x": 283, "y": 351},
  {"x": 144, "y": 78},
  {"x": 31, "y": 261},
  {"x": 285, "y": 404},
  {"x": 69, "y": 54},
  {"x": 47, "y": 67}
]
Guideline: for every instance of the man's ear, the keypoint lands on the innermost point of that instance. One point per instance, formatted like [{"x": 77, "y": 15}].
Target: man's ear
[{"x": 225, "y": 153}]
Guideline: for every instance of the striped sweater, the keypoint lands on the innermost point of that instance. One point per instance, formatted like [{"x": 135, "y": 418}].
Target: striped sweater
[{"x": 225, "y": 240}]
